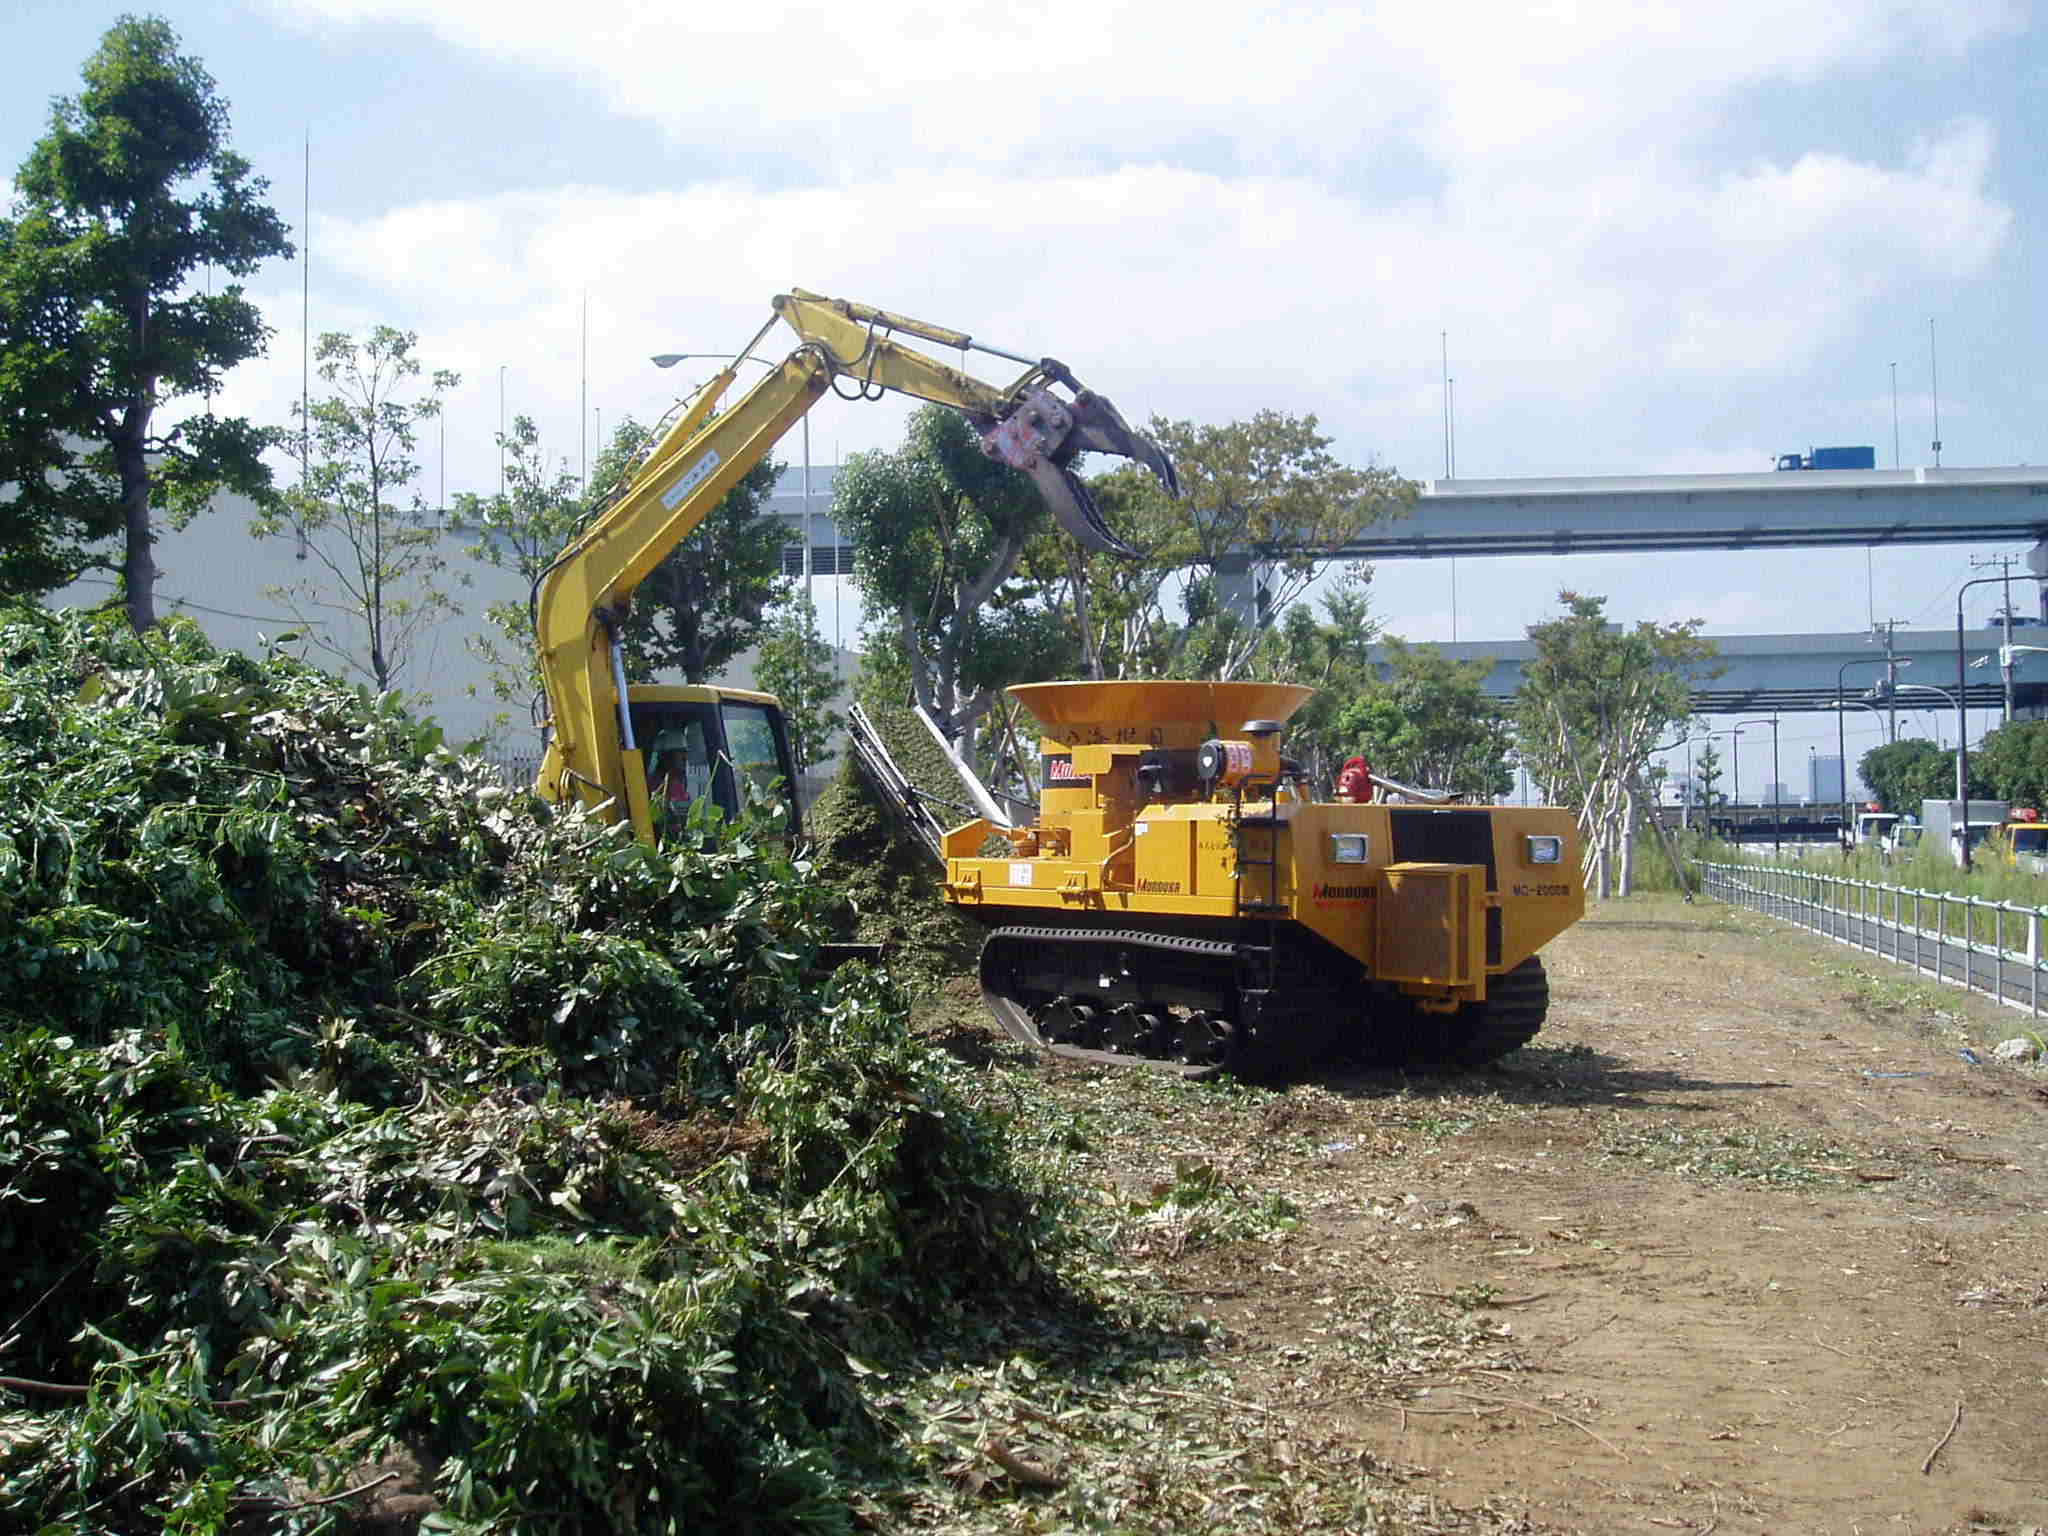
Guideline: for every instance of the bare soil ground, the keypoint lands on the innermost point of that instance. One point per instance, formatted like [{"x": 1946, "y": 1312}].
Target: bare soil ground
[{"x": 1742, "y": 1244}]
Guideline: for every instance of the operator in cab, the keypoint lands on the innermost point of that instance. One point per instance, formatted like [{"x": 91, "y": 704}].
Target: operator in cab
[{"x": 669, "y": 776}]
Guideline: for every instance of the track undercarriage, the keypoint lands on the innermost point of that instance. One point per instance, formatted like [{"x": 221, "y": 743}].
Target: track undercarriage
[{"x": 1200, "y": 1006}]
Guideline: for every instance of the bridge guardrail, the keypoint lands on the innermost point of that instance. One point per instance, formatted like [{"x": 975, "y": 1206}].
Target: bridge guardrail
[{"x": 1994, "y": 947}]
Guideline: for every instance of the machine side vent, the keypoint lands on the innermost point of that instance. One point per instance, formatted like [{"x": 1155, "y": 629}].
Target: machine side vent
[
  {"x": 1443, "y": 835},
  {"x": 1493, "y": 937}
]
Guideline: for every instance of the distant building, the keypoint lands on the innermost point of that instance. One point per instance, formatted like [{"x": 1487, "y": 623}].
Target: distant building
[
  {"x": 1824, "y": 780},
  {"x": 214, "y": 571}
]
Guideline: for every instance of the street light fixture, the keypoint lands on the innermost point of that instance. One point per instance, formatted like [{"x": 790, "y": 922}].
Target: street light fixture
[
  {"x": 670, "y": 359},
  {"x": 1777, "y": 789}
]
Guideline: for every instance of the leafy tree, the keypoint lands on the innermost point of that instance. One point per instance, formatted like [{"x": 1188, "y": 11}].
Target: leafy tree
[
  {"x": 117, "y": 208},
  {"x": 1262, "y": 494},
  {"x": 1706, "y": 779},
  {"x": 1592, "y": 704},
  {"x": 1431, "y": 723},
  {"x": 796, "y": 665},
  {"x": 521, "y": 530},
  {"x": 383, "y": 561},
  {"x": 939, "y": 528},
  {"x": 2013, "y": 763},
  {"x": 1903, "y": 773},
  {"x": 702, "y": 605},
  {"x": 1329, "y": 655}
]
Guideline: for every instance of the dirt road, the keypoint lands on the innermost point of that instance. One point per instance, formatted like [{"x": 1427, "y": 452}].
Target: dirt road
[{"x": 1743, "y": 1244}]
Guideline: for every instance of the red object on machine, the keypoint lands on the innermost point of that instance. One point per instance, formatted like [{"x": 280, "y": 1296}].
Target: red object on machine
[
  {"x": 2025, "y": 813},
  {"x": 1354, "y": 782}
]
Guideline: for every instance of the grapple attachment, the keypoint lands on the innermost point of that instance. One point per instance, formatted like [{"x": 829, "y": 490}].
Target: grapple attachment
[{"x": 1044, "y": 434}]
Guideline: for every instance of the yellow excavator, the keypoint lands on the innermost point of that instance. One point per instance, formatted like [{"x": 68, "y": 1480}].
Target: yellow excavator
[{"x": 645, "y": 753}]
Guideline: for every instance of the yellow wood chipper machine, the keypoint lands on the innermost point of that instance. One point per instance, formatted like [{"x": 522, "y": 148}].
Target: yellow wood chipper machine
[{"x": 1182, "y": 900}]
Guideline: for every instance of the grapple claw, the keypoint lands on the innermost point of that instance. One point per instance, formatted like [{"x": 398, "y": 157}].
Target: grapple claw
[
  {"x": 1099, "y": 427},
  {"x": 1074, "y": 509},
  {"x": 1043, "y": 435}
]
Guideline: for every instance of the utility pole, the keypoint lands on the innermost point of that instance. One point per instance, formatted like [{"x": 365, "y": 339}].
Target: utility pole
[
  {"x": 1891, "y": 676},
  {"x": 1895, "y": 415}
]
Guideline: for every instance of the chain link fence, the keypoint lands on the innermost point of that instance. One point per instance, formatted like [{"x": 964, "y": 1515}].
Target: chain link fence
[{"x": 1993, "y": 947}]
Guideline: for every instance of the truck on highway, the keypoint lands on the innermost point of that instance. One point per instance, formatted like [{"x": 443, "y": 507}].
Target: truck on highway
[
  {"x": 1830, "y": 458},
  {"x": 1943, "y": 820},
  {"x": 2022, "y": 842}
]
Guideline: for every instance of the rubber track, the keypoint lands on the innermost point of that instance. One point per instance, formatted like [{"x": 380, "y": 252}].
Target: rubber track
[
  {"x": 1512, "y": 1015},
  {"x": 1016, "y": 1018}
]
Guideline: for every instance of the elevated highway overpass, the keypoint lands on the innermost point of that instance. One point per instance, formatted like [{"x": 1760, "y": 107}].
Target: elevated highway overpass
[
  {"x": 1794, "y": 673},
  {"x": 1605, "y": 514}
]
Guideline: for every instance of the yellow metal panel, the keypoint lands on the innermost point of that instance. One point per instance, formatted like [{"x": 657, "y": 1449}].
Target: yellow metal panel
[
  {"x": 965, "y": 839},
  {"x": 1431, "y": 925},
  {"x": 1164, "y": 857}
]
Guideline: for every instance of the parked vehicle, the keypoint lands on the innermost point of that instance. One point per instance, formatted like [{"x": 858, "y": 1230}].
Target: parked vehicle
[{"x": 1943, "y": 820}]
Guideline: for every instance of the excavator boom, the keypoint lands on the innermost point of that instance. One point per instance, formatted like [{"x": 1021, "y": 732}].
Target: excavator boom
[{"x": 581, "y": 600}]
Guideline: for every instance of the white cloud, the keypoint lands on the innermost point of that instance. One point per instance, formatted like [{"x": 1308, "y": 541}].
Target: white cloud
[{"x": 1206, "y": 213}]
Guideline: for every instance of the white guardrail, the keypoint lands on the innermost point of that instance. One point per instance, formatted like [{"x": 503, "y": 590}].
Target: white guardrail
[{"x": 1993, "y": 947}]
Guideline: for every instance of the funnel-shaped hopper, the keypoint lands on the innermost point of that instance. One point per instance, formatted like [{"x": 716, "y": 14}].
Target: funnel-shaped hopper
[{"x": 1167, "y": 714}]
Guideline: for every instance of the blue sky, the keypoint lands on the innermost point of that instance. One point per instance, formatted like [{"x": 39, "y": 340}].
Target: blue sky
[{"x": 1661, "y": 238}]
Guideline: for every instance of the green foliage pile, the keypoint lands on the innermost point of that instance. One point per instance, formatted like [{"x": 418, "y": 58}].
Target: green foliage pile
[
  {"x": 886, "y": 874},
  {"x": 364, "y": 1125}
]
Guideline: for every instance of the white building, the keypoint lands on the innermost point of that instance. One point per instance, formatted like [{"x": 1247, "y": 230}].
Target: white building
[{"x": 219, "y": 574}]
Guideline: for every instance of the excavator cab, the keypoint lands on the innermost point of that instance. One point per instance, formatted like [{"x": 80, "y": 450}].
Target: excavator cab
[{"x": 730, "y": 745}]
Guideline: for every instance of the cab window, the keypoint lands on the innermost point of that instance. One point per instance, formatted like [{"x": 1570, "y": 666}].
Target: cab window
[{"x": 759, "y": 756}]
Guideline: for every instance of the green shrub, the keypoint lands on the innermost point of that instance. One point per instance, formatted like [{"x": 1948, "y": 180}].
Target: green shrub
[{"x": 369, "y": 1113}]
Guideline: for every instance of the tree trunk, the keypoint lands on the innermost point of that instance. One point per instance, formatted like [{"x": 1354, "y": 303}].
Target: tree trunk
[{"x": 138, "y": 564}]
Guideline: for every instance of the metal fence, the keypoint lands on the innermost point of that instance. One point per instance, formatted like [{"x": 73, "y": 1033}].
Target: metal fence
[
  {"x": 1993, "y": 947},
  {"x": 516, "y": 768}
]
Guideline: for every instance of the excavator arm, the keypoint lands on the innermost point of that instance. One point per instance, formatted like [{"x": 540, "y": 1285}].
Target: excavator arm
[{"x": 581, "y": 599}]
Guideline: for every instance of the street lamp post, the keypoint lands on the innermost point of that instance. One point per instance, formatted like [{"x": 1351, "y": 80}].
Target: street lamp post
[
  {"x": 501, "y": 431},
  {"x": 1840, "y": 706},
  {"x": 1962, "y": 715},
  {"x": 1841, "y": 743},
  {"x": 1777, "y": 816},
  {"x": 1735, "y": 779}
]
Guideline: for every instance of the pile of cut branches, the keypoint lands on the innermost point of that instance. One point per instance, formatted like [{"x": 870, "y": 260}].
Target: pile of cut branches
[{"x": 376, "y": 1144}]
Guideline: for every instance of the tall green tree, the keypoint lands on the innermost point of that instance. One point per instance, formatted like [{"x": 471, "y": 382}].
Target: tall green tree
[
  {"x": 1903, "y": 773},
  {"x": 795, "y": 663},
  {"x": 1705, "y": 789},
  {"x": 1430, "y": 722},
  {"x": 2012, "y": 763},
  {"x": 939, "y": 529},
  {"x": 1265, "y": 508},
  {"x": 375, "y": 582},
  {"x": 703, "y": 604},
  {"x": 1329, "y": 653},
  {"x": 1594, "y": 700},
  {"x": 521, "y": 530},
  {"x": 118, "y": 209}
]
